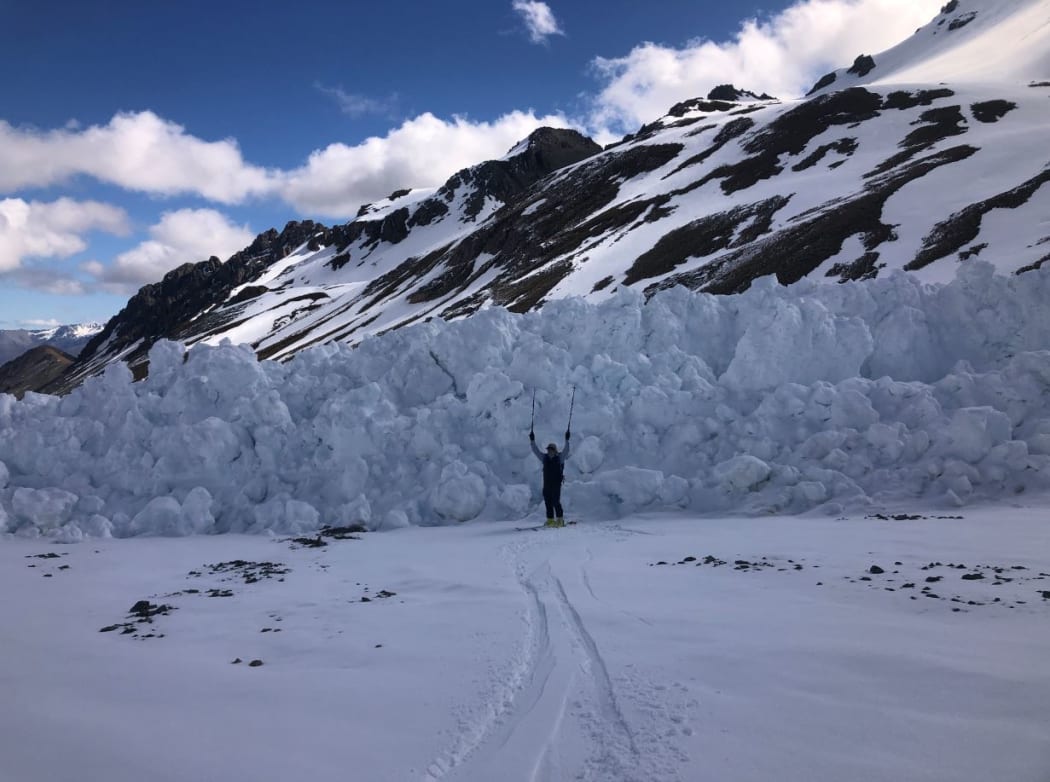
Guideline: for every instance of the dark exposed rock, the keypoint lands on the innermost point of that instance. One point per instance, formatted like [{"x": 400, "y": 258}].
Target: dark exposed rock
[
  {"x": 963, "y": 227},
  {"x": 875, "y": 570},
  {"x": 862, "y": 66},
  {"x": 992, "y": 110},
  {"x": 902, "y": 99},
  {"x": 395, "y": 226},
  {"x": 844, "y": 146},
  {"x": 427, "y": 212},
  {"x": 866, "y": 267},
  {"x": 973, "y": 252},
  {"x": 934, "y": 126},
  {"x": 697, "y": 104},
  {"x": 1037, "y": 265},
  {"x": 248, "y": 293},
  {"x": 249, "y": 572},
  {"x": 729, "y": 131},
  {"x": 603, "y": 284},
  {"x": 791, "y": 132},
  {"x": 706, "y": 236},
  {"x": 961, "y": 21},
  {"x": 338, "y": 261},
  {"x": 349, "y": 532},
  {"x": 546, "y": 151},
  {"x": 950, "y": 7},
  {"x": 728, "y": 92},
  {"x": 825, "y": 81}
]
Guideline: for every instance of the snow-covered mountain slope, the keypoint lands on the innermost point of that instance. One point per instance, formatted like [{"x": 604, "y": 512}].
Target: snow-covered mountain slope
[
  {"x": 69, "y": 339},
  {"x": 844, "y": 185},
  {"x": 970, "y": 41}
]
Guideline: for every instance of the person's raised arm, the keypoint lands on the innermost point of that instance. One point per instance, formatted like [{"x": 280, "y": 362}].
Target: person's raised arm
[{"x": 532, "y": 444}]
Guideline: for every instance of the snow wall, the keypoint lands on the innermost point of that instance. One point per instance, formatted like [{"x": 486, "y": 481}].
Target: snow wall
[{"x": 778, "y": 400}]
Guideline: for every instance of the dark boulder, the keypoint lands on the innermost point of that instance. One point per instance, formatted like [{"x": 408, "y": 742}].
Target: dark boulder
[{"x": 862, "y": 66}]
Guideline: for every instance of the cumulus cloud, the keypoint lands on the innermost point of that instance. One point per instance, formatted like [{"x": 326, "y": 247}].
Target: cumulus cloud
[
  {"x": 539, "y": 20},
  {"x": 182, "y": 236},
  {"x": 358, "y": 105},
  {"x": 136, "y": 151},
  {"x": 421, "y": 152},
  {"x": 55, "y": 229},
  {"x": 781, "y": 55}
]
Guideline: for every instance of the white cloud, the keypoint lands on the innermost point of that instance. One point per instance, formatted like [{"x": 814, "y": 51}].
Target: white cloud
[
  {"x": 358, "y": 105},
  {"x": 135, "y": 151},
  {"x": 183, "y": 236},
  {"x": 422, "y": 152},
  {"x": 55, "y": 229},
  {"x": 782, "y": 56},
  {"x": 539, "y": 20}
]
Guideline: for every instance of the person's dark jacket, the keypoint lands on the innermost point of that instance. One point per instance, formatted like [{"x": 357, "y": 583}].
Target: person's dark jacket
[{"x": 553, "y": 465}]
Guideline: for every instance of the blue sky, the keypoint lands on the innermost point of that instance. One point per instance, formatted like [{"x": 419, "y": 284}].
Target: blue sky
[{"x": 138, "y": 136}]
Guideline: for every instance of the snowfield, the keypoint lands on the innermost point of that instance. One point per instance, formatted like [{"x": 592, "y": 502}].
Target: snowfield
[
  {"x": 615, "y": 650},
  {"x": 777, "y": 400}
]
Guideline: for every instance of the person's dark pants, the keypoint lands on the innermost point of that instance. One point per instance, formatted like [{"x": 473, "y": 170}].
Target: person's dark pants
[{"x": 552, "y": 499}]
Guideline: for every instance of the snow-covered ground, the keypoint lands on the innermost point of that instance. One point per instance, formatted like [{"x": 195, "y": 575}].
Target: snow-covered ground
[{"x": 603, "y": 651}]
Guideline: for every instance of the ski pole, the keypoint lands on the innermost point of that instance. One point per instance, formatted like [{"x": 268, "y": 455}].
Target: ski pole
[
  {"x": 532, "y": 425},
  {"x": 572, "y": 402}
]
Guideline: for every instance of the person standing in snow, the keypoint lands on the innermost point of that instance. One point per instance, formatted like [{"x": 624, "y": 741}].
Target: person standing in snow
[{"x": 553, "y": 475}]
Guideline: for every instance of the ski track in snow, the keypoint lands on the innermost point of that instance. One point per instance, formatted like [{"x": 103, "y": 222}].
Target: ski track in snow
[{"x": 559, "y": 686}]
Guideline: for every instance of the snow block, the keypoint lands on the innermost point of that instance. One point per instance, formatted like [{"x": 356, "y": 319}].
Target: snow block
[
  {"x": 43, "y": 508},
  {"x": 460, "y": 494},
  {"x": 632, "y": 488},
  {"x": 973, "y": 431},
  {"x": 742, "y": 473}
]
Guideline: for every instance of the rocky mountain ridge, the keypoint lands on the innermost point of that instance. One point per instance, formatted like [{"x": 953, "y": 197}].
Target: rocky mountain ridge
[{"x": 844, "y": 185}]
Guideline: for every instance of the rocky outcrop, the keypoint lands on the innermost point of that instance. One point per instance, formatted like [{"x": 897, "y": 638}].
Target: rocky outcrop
[{"x": 730, "y": 93}]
